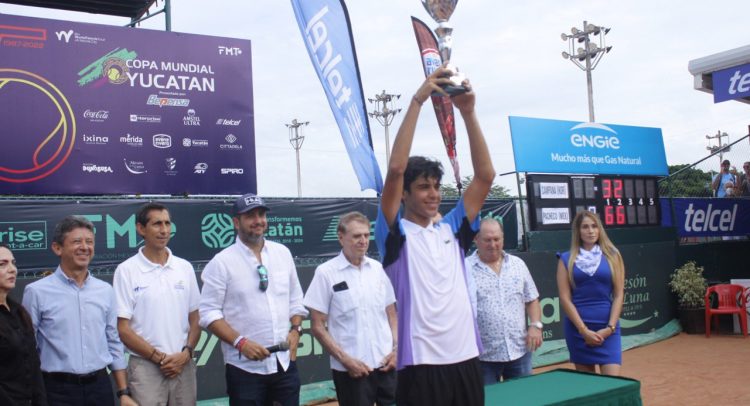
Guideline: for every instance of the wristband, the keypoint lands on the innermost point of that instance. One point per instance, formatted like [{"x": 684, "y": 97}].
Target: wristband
[
  {"x": 123, "y": 392},
  {"x": 237, "y": 341},
  {"x": 190, "y": 350}
]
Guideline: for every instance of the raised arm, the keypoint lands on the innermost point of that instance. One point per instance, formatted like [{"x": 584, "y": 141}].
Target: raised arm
[
  {"x": 484, "y": 172},
  {"x": 390, "y": 200}
]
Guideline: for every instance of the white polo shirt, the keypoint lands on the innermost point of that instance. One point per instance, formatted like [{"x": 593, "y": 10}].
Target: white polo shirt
[
  {"x": 157, "y": 299},
  {"x": 354, "y": 300}
]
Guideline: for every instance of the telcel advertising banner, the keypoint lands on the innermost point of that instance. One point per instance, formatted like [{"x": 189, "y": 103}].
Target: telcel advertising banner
[
  {"x": 702, "y": 217},
  {"x": 555, "y": 146},
  {"x": 731, "y": 83},
  {"x": 95, "y": 109}
]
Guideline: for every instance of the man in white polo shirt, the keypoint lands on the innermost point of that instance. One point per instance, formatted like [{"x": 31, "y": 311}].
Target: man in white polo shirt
[
  {"x": 157, "y": 301},
  {"x": 352, "y": 296},
  {"x": 438, "y": 342}
]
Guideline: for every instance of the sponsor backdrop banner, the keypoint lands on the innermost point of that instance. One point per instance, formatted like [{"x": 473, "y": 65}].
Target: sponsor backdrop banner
[
  {"x": 201, "y": 228},
  {"x": 705, "y": 217},
  {"x": 326, "y": 31},
  {"x": 731, "y": 83},
  {"x": 95, "y": 109},
  {"x": 555, "y": 146}
]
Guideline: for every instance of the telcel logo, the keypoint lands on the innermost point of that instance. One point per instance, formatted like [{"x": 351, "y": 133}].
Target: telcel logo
[
  {"x": 710, "y": 219},
  {"x": 594, "y": 140},
  {"x": 24, "y": 235}
]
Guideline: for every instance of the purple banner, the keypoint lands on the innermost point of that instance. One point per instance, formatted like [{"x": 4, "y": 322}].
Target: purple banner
[{"x": 95, "y": 109}]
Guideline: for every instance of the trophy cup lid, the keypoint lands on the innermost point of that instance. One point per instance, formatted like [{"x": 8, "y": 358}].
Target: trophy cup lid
[{"x": 440, "y": 10}]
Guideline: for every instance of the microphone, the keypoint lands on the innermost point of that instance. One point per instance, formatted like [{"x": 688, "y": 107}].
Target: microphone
[{"x": 282, "y": 346}]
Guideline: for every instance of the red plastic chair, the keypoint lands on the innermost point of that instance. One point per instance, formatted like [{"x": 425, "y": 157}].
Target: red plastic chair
[{"x": 732, "y": 299}]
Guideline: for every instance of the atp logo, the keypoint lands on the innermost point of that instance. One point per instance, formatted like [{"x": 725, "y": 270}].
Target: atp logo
[{"x": 217, "y": 230}]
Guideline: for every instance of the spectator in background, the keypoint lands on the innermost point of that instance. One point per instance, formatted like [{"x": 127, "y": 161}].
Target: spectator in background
[
  {"x": 744, "y": 187},
  {"x": 729, "y": 189},
  {"x": 724, "y": 176}
]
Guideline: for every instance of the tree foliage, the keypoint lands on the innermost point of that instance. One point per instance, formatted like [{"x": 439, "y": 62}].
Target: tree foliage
[
  {"x": 449, "y": 190},
  {"x": 691, "y": 182}
]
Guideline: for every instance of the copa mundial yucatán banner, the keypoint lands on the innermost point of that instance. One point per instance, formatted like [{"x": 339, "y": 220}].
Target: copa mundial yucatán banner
[
  {"x": 326, "y": 32},
  {"x": 95, "y": 109},
  {"x": 556, "y": 146}
]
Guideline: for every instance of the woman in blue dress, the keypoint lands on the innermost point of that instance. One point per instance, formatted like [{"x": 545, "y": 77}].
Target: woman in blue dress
[{"x": 591, "y": 284}]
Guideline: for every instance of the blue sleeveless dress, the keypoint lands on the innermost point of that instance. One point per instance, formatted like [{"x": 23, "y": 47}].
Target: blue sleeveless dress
[{"x": 592, "y": 297}]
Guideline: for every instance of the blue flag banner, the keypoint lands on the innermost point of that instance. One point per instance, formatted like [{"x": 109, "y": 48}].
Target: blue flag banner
[
  {"x": 325, "y": 29},
  {"x": 556, "y": 146},
  {"x": 706, "y": 217}
]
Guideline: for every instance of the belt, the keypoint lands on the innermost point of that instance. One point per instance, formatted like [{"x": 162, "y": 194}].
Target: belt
[{"x": 75, "y": 379}]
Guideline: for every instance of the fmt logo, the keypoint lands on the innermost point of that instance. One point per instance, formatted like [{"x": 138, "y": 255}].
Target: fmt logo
[
  {"x": 231, "y": 51},
  {"x": 24, "y": 235},
  {"x": 64, "y": 35},
  {"x": 594, "y": 141}
]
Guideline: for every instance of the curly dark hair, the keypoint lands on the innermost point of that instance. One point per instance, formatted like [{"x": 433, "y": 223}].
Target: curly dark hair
[{"x": 421, "y": 166}]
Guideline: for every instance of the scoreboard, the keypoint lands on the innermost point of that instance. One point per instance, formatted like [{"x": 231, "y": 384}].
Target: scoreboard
[{"x": 620, "y": 201}]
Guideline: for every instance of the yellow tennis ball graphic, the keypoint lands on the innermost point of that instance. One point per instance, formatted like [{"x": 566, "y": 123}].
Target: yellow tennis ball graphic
[
  {"x": 113, "y": 74},
  {"x": 41, "y": 120}
]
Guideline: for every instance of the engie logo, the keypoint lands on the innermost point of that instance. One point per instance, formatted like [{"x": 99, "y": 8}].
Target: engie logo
[
  {"x": 586, "y": 139},
  {"x": 24, "y": 235}
]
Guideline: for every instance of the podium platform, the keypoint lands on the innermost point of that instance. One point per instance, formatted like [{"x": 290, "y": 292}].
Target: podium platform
[{"x": 565, "y": 387}]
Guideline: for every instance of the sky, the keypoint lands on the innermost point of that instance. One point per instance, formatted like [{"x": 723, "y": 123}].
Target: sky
[{"x": 511, "y": 51}]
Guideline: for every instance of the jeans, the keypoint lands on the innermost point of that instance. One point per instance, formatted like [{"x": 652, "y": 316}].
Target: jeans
[
  {"x": 249, "y": 389},
  {"x": 493, "y": 371}
]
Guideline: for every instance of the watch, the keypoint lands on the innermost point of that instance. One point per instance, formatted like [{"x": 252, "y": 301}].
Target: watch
[
  {"x": 297, "y": 328},
  {"x": 123, "y": 392},
  {"x": 537, "y": 324}
]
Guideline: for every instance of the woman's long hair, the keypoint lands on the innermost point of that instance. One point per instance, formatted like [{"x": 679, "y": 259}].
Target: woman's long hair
[
  {"x": 25, "y": 317},
  {"x": 608, "y": 249}
]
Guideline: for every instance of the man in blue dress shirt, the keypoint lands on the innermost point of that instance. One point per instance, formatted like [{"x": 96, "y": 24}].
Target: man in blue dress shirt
[{"x": 75, "y": 324}]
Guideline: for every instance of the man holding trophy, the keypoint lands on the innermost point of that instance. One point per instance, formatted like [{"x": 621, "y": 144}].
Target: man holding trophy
[{"x": 439, "y": 346}]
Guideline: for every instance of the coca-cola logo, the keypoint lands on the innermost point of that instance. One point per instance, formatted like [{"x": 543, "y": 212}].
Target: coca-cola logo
[{"x": 96, "y": 115}]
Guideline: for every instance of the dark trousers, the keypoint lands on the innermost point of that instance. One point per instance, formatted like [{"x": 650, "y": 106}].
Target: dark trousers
[
  {"x": 249, "y": 389},
  {"x": 96, "y": 393},
  {"x": 377, "y": 387},
  {"x": 457, "y": 384}
]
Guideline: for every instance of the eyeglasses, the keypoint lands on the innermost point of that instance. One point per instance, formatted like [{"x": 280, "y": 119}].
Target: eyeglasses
[{"x": 263, "y": 274}]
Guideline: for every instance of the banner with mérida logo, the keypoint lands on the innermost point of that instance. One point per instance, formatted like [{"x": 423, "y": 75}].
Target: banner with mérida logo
[{"x": 556, "y": 146}]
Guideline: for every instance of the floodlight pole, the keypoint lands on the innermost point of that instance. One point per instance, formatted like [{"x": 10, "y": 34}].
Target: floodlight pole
[
  {"x": 384, "y": 113},
  {"x": 721, "y": 147},
  {"x": 296, "y": 140},
  {"x": 591, "y": 54}
]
